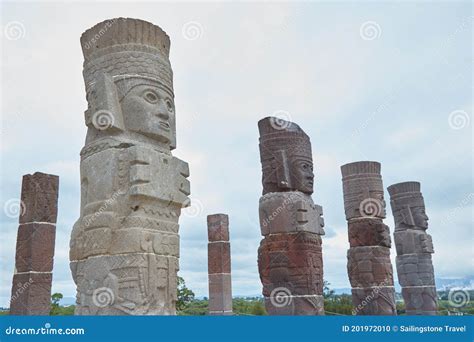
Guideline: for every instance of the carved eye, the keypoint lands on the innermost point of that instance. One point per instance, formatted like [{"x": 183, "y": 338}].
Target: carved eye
[
  {"x": 151, "y": 97},
  {"x": 169, "y": 105}
]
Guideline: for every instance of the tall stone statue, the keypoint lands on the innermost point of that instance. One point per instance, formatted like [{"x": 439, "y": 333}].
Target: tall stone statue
[
  {"x": 289, "y": 257},
  {"x": 414, "y": 248},
  {"x": 368, "y": 258},
  {"x": 124, "y": 248}
]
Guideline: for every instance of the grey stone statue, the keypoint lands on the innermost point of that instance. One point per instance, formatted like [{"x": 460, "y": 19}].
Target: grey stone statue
[
  {"x": 124, "y": 248},
  {"x": 414, "y": 248}
]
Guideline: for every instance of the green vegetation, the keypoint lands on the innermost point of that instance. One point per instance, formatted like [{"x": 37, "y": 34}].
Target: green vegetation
[
  {"x": 185, "y": 295},
  {"x": 446, "y": 308},
  {"x": 240, "y": 306},
  {"x": 57, "y": 310},
  {"x": 188, "y": 305}
]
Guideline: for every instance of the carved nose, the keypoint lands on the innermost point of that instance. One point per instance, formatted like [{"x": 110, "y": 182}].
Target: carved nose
[
  {"x": 163, "y": 111},
  {"x": 163, "y": 115}
]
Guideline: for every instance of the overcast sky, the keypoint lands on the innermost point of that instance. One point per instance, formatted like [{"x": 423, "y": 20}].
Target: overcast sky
[{"x": 366, "y": 81}]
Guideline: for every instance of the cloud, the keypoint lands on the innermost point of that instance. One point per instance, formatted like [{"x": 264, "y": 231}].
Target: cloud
[{"x": 386, "y": 99}]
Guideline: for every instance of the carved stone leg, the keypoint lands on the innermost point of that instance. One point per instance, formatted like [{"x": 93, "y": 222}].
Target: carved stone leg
[{"x": 290, "y": 267}]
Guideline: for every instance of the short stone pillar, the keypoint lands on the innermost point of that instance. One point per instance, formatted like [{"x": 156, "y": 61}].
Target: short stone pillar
[
  {"x": 218, "y": 249},
  {"x": 414, "y": 248},
  {"x": 124, "y": 247},
  {"x": 368, "y": 258},
  {"x": 289, "y": 257},
  {"x": 31, "y": 289}
]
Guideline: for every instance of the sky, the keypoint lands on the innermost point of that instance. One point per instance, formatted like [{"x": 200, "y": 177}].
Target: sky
[{"x": 390, "y": 82}]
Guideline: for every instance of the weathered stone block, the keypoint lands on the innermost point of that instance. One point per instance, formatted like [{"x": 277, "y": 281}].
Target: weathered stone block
[
  {"x": 293, "y": 261},
  {"x": 35, "y": 247},
  {"x": 39, "y": 195},
  {"x": 288, "y": 305},
  {"x": 289, "y": 212},
  {"x": 219, "y": 257},
  {"x": 420, "y": 300},
  {"x": 374, "y": 301},
  {"x": 218, "y": 227},
  {"x": 413, "y": 241},
  {"x": 220, "y": 294},
  {"x": 113, "y": 285},
  {"x": 415, "y": 270},
  {"x": 369, "y": 266},
  {"x": 368, "y": 232},
  {"x": 31, "y": 294}
]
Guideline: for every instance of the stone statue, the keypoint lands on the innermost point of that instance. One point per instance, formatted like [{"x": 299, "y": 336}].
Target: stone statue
[
  {"x": 368, "y": 258},
  {"x": 124, "y": 248},
  {"x": 290, "y": 256},
  {"x": 414, "y": 248}
]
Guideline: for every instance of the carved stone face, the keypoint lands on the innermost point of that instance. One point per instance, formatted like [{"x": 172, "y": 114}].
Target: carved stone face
[
  {"x": 419, "y": 217},
  {"x": 149, "y": 110},
  {"x": 302, "y": 175}
]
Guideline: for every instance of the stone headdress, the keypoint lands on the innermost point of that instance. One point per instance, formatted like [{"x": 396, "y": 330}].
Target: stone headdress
[
  {"x": 120, "y": 54},
  {"x": 281, "y": 142},
  {"x": 360, "y": 181},
  {"x": 403, "y": 197}
]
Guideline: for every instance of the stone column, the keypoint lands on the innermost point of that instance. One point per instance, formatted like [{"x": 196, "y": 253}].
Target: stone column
[
  {"x": 31, "y": 289},
  {"x": 218, "y": 253},
  {"x": 414, "y": 248},
  {"x": 124, "y": 248},
  {"x": 289, "y": 257},
  {"x": 368, "y": 258}
]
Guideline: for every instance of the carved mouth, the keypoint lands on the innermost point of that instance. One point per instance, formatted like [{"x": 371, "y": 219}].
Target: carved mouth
[{"x": 164, "y": 125}]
